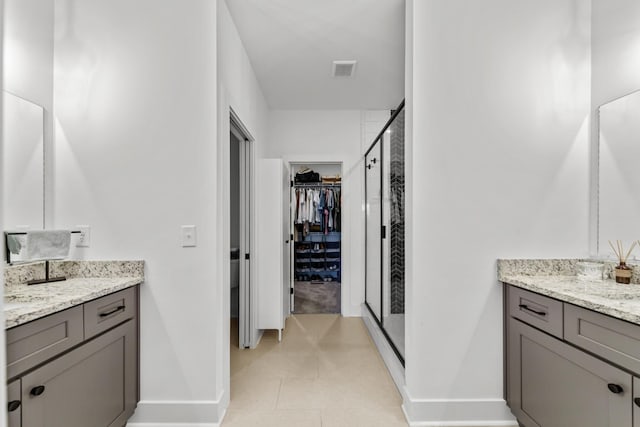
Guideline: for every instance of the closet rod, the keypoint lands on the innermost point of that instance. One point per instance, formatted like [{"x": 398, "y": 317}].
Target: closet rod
[{"x": 316, "y": 184}]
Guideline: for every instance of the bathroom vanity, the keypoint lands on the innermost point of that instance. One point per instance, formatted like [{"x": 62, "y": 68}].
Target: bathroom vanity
[
  {"x": 572, "y": 347},
  {"x": 72, "y": 349}
]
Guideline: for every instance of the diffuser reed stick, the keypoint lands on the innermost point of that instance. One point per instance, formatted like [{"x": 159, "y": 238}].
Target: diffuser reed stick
[{"x": 620, "y": 250}]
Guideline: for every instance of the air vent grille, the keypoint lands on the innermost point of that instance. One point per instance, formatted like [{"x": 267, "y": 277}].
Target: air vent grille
[{"x": 344, "y": 68}]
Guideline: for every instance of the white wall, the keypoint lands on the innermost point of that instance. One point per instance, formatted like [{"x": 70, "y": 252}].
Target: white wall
[
  {"x": 308, "y": 136},
  {"x": 29, "y": 68},
  {"x": 498, "y": 161},
  {"x": 615, "y": 64},
  {"x": 136, "y": 106},
  {"x": 238, "y": 89}
]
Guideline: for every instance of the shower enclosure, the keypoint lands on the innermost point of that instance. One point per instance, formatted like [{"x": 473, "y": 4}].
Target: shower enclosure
[{"x": 385, "y": 231}]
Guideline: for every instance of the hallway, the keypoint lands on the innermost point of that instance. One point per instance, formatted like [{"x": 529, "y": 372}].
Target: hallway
[{"x": 325, "y": 372}]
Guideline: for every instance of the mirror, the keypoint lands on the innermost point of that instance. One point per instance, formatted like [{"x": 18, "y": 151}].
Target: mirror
[
  {"x": 23, "y": 164},
  {"x": 619, "y": 177}
]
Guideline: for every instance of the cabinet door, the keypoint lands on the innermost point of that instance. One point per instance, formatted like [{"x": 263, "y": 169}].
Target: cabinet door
[
  {"x": 14, "y": 415},
  {"x": 636, "y": 402},
  {"x": 555, "y": 385},
  {"x": 91, "y": 386},
  {"x": 271, "y": 238}
]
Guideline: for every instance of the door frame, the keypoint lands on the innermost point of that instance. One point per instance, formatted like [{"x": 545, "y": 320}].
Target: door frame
[
  {"x": 247, "y": 316},
  {"x": 292, "y": 162}
]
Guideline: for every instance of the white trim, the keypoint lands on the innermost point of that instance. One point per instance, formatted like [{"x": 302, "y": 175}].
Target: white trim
[
  {"x": 170, "y": 413},
  {"x": 458, "y": 412}
]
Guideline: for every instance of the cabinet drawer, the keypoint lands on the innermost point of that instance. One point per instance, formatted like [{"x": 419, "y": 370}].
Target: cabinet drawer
[
  {"x": 35, "y": 342},
  {"x": 537, "y": 310},
  {"x": 109, "y": 311},
  {"x": 613, "y": 339}
]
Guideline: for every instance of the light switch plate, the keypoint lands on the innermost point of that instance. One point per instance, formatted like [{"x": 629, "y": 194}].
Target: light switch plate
[
  {"x": 188, "y": 236},
  {"x": 84, "y": 238}
]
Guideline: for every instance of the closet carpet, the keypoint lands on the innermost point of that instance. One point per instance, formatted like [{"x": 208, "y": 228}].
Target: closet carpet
[
  {"x": 325, "y": 372},
  {"x": 317, "y": 298}
]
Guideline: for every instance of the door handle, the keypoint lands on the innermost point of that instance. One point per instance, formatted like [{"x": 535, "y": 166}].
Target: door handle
[{"x": 13, "y": 405}]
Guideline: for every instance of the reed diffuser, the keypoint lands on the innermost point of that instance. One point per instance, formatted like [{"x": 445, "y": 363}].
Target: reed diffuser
[{"x": 622, "y": 271}]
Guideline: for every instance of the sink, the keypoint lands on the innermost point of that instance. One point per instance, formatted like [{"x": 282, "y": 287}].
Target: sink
[{"x": 614, "y": 293}]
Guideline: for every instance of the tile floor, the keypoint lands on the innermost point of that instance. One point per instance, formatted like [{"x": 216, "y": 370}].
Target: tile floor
[{"x": 326, "y": 372}]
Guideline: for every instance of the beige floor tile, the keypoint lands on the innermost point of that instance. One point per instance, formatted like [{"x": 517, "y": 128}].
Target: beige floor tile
[
  {"x": 359, "y": 417},
  {"x": 294, "y": 364},
  {"x": 303, "y": 418},
  {"x": 351, "y": 362},
  {"x": 297, "y": 393},
  {"x": 256, "y": 394},
  {"x": 325, "y": 364}
]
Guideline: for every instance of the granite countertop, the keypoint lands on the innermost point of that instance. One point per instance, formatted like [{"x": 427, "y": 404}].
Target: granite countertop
[
  {"x": 560, "y": 282},
  {"x": 24, "y": 303}
]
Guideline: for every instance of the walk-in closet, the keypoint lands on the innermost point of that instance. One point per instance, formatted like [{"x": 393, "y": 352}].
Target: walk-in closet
[{"x": 316, "y": 202}]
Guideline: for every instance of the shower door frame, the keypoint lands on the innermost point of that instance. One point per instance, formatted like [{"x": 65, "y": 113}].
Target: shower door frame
[{"x": 385, "y": 234}]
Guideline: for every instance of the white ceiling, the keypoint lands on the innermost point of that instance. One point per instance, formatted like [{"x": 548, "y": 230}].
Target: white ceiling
[{"x": 292, "y": 44}]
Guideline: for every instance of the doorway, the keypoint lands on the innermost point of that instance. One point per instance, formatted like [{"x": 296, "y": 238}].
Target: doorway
[
  {"x": 316, "y": 204},
  {"x": 240, "y": 169}
]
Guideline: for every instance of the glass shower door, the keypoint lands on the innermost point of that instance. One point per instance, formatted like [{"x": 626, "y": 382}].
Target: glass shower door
[
  {"x": 393, "y": 278},
  {"x": 373, "y": 217}
]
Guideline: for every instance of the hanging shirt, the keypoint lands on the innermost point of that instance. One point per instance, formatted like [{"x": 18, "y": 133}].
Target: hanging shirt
[{"x": 311, "y": 209}]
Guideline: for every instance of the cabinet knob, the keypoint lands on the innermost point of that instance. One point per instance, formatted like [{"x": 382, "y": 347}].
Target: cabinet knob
[
  {"x": 13, "y": 405},
  {"x": 637, "y": 401},
  {"x": 615, "y": 388},
  {"x": 37, "y": 391}
]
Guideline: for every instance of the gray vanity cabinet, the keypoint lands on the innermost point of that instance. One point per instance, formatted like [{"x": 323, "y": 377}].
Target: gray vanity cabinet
[
  {"x": 555, "y": 385},
  {"x": 92, "y": 382},
  {"x": 568, "y": 366}
]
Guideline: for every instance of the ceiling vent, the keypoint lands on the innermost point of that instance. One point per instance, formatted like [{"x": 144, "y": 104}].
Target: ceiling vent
[{"x": 344, "y": 68}]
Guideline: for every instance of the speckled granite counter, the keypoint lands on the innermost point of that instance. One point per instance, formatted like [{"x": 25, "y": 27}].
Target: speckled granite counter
[
  {"x": 556, "y": 279},
  {"x": 23, "y": 303}
]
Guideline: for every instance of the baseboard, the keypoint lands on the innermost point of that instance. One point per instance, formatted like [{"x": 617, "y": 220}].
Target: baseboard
[
  {"x": 206, "y": 413},
  {"x": 458, "y": 413},
  {"x": 351, "y": 311}
]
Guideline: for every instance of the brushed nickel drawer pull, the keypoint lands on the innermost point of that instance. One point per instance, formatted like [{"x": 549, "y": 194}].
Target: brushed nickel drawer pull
[
  {"x": 526, "y": 307},
  {"x": 110, "y": 312}
]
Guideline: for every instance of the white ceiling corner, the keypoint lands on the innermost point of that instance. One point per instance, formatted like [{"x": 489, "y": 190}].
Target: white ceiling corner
[{"x": 292, "y": 45}]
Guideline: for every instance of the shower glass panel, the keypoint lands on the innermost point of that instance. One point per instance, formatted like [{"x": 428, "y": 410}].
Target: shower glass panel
[
  {"x": 393, "y": 275},
  {"x": 373, "y": 180}
]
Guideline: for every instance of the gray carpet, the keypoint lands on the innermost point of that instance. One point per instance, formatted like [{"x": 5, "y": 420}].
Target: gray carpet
[{"x": 315, "y": 298}]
